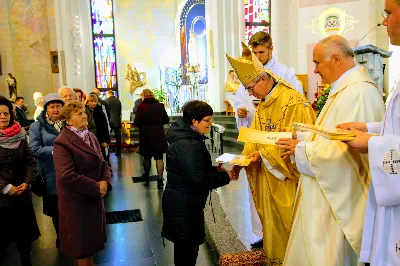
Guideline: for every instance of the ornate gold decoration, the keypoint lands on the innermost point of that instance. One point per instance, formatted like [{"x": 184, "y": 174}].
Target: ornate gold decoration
[
  {"x": 332, "y": 21},
  {"x": 135, "y": 78}
]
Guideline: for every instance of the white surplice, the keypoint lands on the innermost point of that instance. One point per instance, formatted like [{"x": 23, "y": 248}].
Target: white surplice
[
  {"x": 332, "y": 191},
  {"x": 381, "y": 236},
  {"x": 242, "y": 98}
]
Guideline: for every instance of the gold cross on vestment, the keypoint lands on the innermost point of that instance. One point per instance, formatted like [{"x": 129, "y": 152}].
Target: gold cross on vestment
[{"x": 269, "y": 127}]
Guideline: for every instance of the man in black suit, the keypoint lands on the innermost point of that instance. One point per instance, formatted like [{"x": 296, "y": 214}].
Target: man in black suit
[
  {"x": 21, "y": 115},
  {"x": 115, "y": 108}
]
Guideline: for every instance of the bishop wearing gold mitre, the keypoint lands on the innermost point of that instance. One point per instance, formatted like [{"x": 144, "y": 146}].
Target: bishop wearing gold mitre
[{"x": 273, "y": 179}]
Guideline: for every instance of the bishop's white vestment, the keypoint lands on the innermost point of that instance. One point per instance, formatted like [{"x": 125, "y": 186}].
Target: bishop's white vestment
[
  {"x": 333, "y": 188},
  {"x": 381, "y": 236}
]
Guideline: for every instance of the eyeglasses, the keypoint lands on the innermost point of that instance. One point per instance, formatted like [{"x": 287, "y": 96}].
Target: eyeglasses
[
  {"x": 251, "y": 89},
  {"x": 256, "y": 80},
  {"x": 385, "y": 14}
]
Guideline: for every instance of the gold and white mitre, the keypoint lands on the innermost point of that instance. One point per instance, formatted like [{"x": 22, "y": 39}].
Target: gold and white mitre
[{"x": 248, "y": 67}]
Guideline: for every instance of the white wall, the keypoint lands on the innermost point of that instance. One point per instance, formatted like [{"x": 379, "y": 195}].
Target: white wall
[{"x": 145, "y": 38}]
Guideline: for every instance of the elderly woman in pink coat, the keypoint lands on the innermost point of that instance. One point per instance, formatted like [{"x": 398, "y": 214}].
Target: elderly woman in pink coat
[{"x": 83, "y": 179}]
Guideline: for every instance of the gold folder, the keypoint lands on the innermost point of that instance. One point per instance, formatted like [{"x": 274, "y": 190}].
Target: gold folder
[
  {"x": 336, "y": 134},
  {"x": 262, "y": 137}
]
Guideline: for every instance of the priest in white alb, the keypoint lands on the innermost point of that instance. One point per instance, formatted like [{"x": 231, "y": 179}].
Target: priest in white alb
[
  {"x": 333, "y": 187},
  {"x": 381, "y": 236}
]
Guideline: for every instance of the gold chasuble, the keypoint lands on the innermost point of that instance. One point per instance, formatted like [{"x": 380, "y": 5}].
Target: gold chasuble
[
  {"x": 331, "y": 199},
  {"x": 274, "y": 198}
]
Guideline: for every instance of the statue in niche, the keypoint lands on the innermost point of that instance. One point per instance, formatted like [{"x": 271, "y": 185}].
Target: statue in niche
[
  {"x": 12, "y": 86},
  {"x": 192, "y": 49},
  {"x": 134, "y": 78}
]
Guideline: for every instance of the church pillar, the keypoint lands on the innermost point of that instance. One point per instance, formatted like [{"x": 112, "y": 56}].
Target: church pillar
[
  {"x": 225, "y": 21},
  {"x": 74, "y": 42},
  {"x": 284, "y": 31}
]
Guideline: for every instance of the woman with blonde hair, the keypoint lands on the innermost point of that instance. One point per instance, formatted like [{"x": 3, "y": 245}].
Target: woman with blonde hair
[
  {"x": 150, "y": 119},
  {"x": 100, "y": 120},
  {"x": 83, "y": 179}
]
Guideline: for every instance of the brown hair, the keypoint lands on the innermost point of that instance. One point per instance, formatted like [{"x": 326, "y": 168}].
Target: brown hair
[
  {"x": 146, "y": 93},
  {"x": 69, "y": 110},
  {"x": 81, "y": 92},
  {"x": 260, "y": 38},
  {"x": 196, "y": 110}
]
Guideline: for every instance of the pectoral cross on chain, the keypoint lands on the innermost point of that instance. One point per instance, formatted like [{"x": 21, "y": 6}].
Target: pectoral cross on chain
[{"x": 269, "y": 127}]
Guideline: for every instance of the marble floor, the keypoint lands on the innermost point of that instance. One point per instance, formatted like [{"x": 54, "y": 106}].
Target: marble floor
[{"x": 137, "y": 243}]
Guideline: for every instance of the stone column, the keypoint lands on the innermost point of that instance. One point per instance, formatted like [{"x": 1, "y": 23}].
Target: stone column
[
  {"x": 371, "y": 57},
  {"x": 225, "y": 21},
  {"x": 75, "y": 44}
]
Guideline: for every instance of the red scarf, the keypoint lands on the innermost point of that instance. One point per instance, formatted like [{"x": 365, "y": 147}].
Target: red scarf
[{"x": 11, "y": 131}]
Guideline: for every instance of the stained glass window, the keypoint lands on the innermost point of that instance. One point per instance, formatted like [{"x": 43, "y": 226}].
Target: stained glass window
[
  {"x": 104, "y": 45},
  {"x": 257, "y": 16}
]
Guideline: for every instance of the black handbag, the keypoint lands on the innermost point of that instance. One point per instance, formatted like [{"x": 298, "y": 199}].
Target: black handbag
[{"x": 38, "y": 185}]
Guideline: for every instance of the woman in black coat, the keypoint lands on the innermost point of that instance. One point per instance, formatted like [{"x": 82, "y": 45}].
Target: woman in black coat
[
  {"x": 100, "y": 120},
  {"x": 150, "y": 119},
  {"x": 17, "y": 168},
  {"x": 190, "y": 178}
]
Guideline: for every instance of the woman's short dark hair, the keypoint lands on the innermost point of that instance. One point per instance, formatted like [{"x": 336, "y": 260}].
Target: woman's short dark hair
[
  {"x": 196, "y": 110},
  {"x": 6, "y": 102}
]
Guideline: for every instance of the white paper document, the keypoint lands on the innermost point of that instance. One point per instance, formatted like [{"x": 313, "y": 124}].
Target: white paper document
[{"x": 233, "y": 159}]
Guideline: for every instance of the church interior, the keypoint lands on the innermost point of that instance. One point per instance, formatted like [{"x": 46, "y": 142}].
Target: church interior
[{"x": 178, "y": 49}]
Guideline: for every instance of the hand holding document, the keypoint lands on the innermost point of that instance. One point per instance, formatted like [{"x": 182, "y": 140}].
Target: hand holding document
[
  {"x": 262, "y": 137},
  {"x": 233, "y": 159},
  {"x": 242, "y": 112}
]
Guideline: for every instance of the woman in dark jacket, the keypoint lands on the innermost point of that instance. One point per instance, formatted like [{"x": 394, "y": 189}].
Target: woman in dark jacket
[
  {"x": 100, "y": 120},
  {"x": 17, "y": 167},
  {"x": 83, "y": 179},
  {"x": 150, "y": 119},
  {"x": 190, "y": 177},
  {"x": 42, "y": 135}
]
